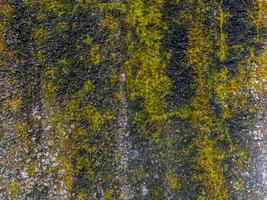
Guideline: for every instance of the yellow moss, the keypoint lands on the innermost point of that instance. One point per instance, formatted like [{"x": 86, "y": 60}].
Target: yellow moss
[
  {"x": 41, "y": 16},
  {"x": 243, "y": 155},
  {"x": 202, "y": 114},
  {"x": 110, "y": 24},
  {"x": 94, "y": 117},
  {"x": 31, "y": 168},
  {"x": 198, "y": 49},
  {"x": 95, "y": 56},
  {"x": 108, "y": 115},
  {"x": 119, "y": 95},
  {"x": 2, "y": 46},
  {"x": 6, "y": 12},
  {"x": 156, "y": 137},
  {"x": 221, "y": 87},
  {"x": 150, "y": 82},
  {"x": 114, "y": 78},
  {"x": 212, "y": 179},
  {"x": 22, "y": 133},
  {"x": 108, "y": 195},
  {"x": 184, "y": 112},
  {"x": 155, "y": 15},
  {"x": 14, "y": 104},
  {"x": 112, "y": 6},
  {"x": 73, "y": 111},
  {"x": 55, "y": 6},
  {"x": 61, "y": 26},
  {"x": 173, "y": 180},
  {"x": 64, "y": 62},
  {"x": 6, "y": 9},
  {"x": 232, "y": 91},
  {"x": 209, "y": 158},
  {"x": 88, "y": 39},
  {"x": 146, "y": 78},
  {"x": 57, "y": 118},
  {"x": 88, "y": 86},
  {"x": 81, "y": 163},
  {"x": 239, "y": 185},
  {"x": 40, "y": 35},
  {"x": 223, "y": 48},
  {"x": 67, "y": 171},
  {"x": 21, "y": 130},
  {"x": 81, "y": 195},
  {"x": 49, "y": 87},
  {"x": 252, "y": 109},
  {"x": 40, "y": 55},
  {"x": 13, "y": 189},
  {"x": 258, "y": 18}
]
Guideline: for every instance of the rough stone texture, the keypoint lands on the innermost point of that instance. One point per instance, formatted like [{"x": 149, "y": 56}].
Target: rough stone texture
[{"x": 133, "y": 99}]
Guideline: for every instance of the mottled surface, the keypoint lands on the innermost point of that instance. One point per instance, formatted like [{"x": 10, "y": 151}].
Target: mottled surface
[{"x": 133, "y": 99}]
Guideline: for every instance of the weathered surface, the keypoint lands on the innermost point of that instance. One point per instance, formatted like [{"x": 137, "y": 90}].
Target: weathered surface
[{"x": 133, "y": 99}]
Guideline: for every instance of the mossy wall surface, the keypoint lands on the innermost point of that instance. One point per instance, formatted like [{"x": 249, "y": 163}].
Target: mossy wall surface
[{"x": 135, "y": 99}]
